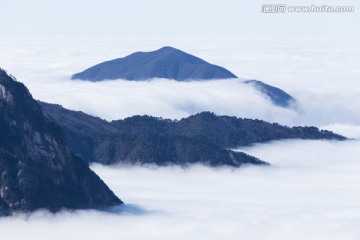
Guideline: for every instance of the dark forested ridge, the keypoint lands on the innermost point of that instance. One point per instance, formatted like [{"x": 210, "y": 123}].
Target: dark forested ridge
[
  {"x": 38, "y": 170},
  {"x": 201, "y": 138},
  {"x": 139, "y": 142}
]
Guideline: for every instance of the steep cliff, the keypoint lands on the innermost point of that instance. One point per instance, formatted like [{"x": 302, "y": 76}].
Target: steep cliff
[{"x": 38, "y": 170}]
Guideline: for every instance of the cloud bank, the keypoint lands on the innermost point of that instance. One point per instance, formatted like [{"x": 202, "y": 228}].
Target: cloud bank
[
  {"x": 165, "y": 98},
  {"x": 310, "y": 192},
  {"x": 321, "y": 73}
]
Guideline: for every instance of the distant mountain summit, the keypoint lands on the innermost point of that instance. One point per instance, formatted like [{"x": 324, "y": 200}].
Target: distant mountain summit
[
  {"x": 172, "y": 63},
  {"x": 166, "y": 62}
]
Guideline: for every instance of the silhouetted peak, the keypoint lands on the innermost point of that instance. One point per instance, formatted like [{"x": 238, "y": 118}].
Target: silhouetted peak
[
  {"x": 166, "y": 62},
  {"x": 168, "y": 49}
]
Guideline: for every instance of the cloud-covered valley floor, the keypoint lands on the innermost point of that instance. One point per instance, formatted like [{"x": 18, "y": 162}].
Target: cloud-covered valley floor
[{"x": 312, "y": 191}]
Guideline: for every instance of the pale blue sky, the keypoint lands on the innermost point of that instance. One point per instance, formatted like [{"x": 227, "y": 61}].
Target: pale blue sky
[{"x": 170, "y": 18}]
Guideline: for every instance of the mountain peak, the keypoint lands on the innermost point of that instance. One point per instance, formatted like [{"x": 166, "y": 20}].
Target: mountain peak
[
  {"x": 166, "y": 62},
  {"x": 168, "y": 48}
]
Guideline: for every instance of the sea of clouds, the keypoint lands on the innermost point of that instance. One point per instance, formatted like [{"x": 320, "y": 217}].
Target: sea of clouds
[
  {"x": 311, "y": 191},
  {"x": 321, "y": 73}
]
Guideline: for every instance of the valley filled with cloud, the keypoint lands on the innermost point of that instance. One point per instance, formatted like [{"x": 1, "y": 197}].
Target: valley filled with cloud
[
  {"x": 322, "y": 76},
  {"x": 311, "y": 189}
]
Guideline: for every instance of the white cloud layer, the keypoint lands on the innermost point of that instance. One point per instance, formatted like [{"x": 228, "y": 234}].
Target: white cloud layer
[
  {"x": 310, "y": 192},
  {"x": 321, "y": 73},
  {"x": 165, "y": 98}
]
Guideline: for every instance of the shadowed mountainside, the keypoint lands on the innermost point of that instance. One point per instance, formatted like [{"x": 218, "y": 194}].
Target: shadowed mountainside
[
  {"x": 276, "y": 95},
  {"x": 143, "y": 143},
  {"x": 201, "y": 138},
  {"x": 38, "y": 170}
]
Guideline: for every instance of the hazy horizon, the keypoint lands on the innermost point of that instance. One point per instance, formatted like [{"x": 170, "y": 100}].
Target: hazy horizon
[{"x": 185, "y": 18}]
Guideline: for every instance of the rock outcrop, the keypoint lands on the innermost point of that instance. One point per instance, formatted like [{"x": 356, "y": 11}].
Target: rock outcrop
[{"x": 38, "y": 169}]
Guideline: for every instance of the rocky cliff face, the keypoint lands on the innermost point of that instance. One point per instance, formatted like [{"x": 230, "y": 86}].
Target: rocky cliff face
[{"x": 37, "y": 168}]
